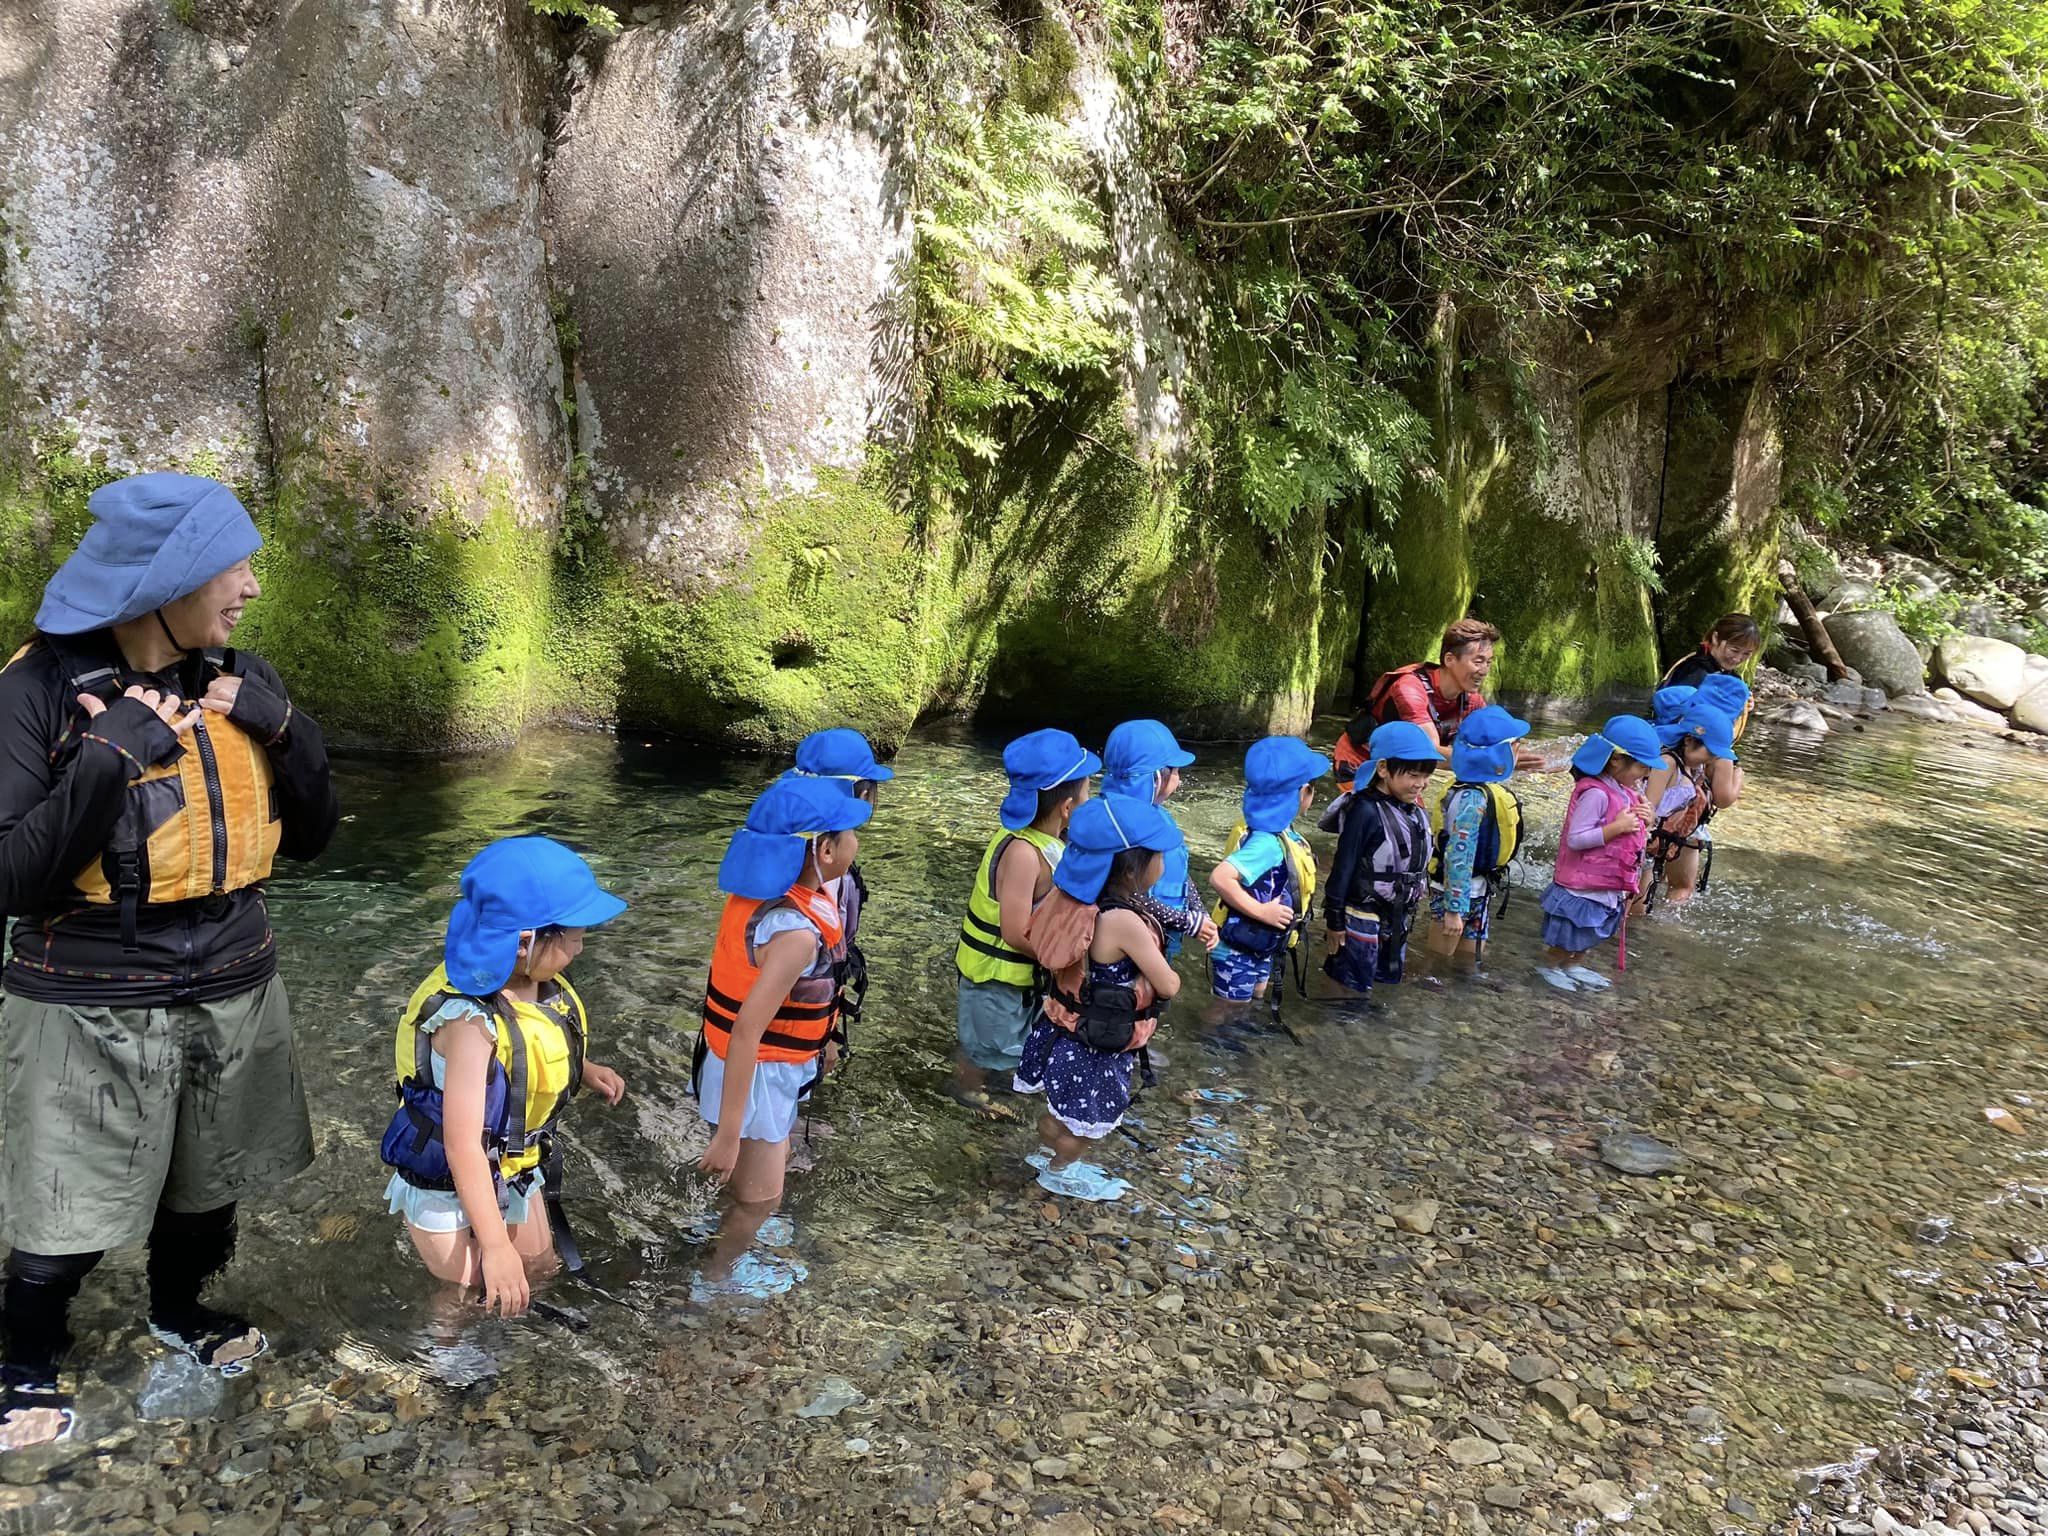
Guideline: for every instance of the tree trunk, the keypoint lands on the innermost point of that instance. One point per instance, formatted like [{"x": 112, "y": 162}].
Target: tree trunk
[{"x": 1810, "y": 625}]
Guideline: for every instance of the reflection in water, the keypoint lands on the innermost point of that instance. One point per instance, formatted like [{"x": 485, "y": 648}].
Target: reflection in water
[{"x": 1820, "y": 1036}]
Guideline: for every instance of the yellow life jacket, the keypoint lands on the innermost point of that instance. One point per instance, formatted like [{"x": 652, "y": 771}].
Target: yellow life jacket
[
  {"x": 982, "y": 954},
  {"x": 540, "y": 1049},
  {"x": 203, "y": 824},
  {"x": 1503, "y": 818},
  {"x": 1301, "y": 877}
]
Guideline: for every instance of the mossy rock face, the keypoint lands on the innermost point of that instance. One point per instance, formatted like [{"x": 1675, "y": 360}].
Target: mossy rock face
[
  {"x": 1718, "y": 538},
  {"x": 824, "y": 624},
  {"x": 1531, "y": 523},
  {"x": 1099, "y": 593},
  {"x": 42, "y": 517},
  {"x": 402, "y": 628}
]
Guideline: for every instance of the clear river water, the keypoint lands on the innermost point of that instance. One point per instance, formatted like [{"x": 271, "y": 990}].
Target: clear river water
[{"x": 1373, "y": 1275}]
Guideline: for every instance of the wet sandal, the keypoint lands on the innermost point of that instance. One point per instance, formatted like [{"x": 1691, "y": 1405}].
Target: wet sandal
[
  {"x": 219, "y": 1341},
  {"x": 977, "y": 1102},
  {"x": 32, "y": 1411}
]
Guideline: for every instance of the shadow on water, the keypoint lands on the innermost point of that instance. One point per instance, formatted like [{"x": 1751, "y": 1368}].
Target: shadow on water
[{"x": 1820, "y": 1036}]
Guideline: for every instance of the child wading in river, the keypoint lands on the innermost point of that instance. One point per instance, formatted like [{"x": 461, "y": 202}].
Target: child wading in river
[
  {"x": 843, "y": 756},
  {"x": 1680, "y": 850},
  {"x": 1102, "y": 945},
  {"x": 489, "y": 1052},
  {"x": 1269, "y": 879},
  {"x": 1477, "y": 831},
  {"x": 1049, "y": 773},
  {"x": 771, "y": 1009},
  {"x": 1600, "y": 852},
  {"x": 1382, "y": 859},
  {"x": 1141, "y": 759}
]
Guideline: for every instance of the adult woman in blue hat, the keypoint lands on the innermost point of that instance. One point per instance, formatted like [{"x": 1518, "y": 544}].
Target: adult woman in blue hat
[{"x": 149, "y": 775}]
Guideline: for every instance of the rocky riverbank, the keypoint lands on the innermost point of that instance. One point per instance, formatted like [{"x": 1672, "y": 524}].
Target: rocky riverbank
[{"x": 1977, "y": 662}]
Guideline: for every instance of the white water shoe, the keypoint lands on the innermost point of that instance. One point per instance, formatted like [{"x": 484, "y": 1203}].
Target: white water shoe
[
  {"x": 1557, "y": 978},
  {"x": 1588, "y": 980},
  {"x": 1082, "y": 1181}
]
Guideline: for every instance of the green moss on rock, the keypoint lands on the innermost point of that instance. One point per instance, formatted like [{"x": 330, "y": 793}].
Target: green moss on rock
[
  {"x": 42, "y": 517},
  {"x": 422, "y": 631},
  {"x": 823, "y": 625},
  {"x": 1718, "y": 538},
  {"x": 1097, "y": 592}
]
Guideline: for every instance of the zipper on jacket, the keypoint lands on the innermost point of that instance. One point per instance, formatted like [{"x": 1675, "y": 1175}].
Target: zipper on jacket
[{"x": 209, "y": 768}]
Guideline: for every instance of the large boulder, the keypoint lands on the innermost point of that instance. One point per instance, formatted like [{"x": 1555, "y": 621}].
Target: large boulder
[
  {"x": 1875, "y": 646},
  {"x": 2031, "y": 713},
  {"x": 1990, "y": 671}
]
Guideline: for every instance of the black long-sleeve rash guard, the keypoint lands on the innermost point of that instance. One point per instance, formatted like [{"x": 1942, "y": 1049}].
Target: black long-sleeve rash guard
[{"x": 63, "y": 783}]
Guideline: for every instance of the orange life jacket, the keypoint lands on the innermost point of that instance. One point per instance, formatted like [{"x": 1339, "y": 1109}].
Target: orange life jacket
[{"x": 806, "y": 1018}]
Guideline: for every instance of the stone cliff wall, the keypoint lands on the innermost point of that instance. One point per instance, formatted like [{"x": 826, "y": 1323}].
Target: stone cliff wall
[{"x": 565, "y": 374}]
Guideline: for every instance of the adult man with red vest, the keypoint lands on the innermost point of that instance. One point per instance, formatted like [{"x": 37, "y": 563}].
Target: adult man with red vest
[{"x": 1433, "y": 695}]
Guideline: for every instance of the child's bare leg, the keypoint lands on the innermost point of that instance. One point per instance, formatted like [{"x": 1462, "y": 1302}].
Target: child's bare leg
[
  {"x": 449, "y": 1256},
  {"x": 1682, "y": 876},
  {"x": 756, "y": 1189},
  {"x": 967, "y": 1077},
  {"x": 1066, "y": 1146},
  {"x": 1559, "y": 958},
  {"x": 534, "y": 1239}
]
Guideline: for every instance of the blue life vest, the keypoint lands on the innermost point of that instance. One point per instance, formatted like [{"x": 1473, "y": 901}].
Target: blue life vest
[{"x": 1289, "y": 881}]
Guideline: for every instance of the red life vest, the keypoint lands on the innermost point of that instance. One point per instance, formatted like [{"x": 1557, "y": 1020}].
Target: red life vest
[
  {"x": 803, "y": 1020},
  {"x": 1614, "y": 866},
  {"x": 1385, "y": 709}
]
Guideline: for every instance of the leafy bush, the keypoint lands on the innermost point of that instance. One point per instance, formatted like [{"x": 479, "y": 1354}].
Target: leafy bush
[{"x": 602, "y": 17}]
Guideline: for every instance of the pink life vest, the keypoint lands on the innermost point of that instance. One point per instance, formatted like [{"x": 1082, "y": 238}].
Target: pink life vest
[{"x": 1614, "y": 866}]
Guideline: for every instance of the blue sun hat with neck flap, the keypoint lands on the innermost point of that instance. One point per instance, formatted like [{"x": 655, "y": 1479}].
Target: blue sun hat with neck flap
[
  {"x": 1042, "y": 760},
  {"x": 1275, "y": 770},
  {"x": 1484, "y": 752},
  {"x": 766, "y": 856},
  {"x": 1101, "y": 829},
  {"x": 1724, "y": 691},
  {"x": 1630, "y": 735},
  {"x": 154, "y": 538},
  {"x": 1668, "y": 703},
  {"x": 514, "y": 886},
  {"x": 841, "y": 754},
  {"x": 1712, "y": 726},
  {"x": 1135, "y": 754},
  {"x": 1400, "y": 741}
]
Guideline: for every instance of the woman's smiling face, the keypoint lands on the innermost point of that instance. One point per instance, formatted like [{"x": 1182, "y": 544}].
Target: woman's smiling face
[{"x": 208, "y": 616}]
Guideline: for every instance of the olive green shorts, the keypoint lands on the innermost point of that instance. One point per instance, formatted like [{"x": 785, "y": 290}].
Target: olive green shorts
[{"x": 111, "y": 1112}]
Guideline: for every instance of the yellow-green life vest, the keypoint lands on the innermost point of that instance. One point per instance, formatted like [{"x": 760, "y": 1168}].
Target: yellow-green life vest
[
  {"x": 983, "y": 955},
  {"x": 549, "y": 1036}
]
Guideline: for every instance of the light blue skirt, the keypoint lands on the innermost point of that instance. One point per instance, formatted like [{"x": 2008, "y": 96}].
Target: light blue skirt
[
  {"x": 440, "y": 1210},
  {"x": 1574, "y": 922}
]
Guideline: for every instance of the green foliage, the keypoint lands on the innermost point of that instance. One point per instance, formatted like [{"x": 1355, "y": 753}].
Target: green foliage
[
  {"x": 1634, "y": 558},
  {"x": 1016, "y": 309},
  {"x": 1851, "y": 189},
  {"x": 600, "y": 17},
  {"x": 1927, "y": 618}
]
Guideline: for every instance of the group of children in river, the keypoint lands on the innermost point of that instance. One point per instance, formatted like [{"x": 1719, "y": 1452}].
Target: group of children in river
[{"x": 1078, "y": 908}]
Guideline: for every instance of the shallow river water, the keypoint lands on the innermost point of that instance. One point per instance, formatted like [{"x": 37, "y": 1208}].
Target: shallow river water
[{"x": 1373, "y": 1275}]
